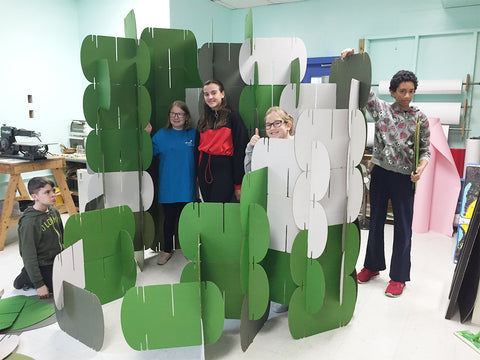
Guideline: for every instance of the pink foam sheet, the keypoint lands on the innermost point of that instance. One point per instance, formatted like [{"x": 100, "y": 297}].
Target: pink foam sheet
[{"x": 437, "y": 190}]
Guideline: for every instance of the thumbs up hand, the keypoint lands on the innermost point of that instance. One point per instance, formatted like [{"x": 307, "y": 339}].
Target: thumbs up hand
[{"x": 255, "y": 138}]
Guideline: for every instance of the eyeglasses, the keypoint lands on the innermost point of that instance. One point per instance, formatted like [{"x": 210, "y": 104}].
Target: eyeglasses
[
  {"x": 275, "y": 124},
  {"x": 177, "y": 115}
]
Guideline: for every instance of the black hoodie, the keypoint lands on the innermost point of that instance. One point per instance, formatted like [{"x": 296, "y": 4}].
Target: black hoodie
[{"x": 40, "y": 239}]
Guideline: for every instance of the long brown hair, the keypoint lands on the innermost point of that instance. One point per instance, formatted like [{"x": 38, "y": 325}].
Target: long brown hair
[
  {"x": 214, "y": 119},
  {"x": 184, "y": 107}
]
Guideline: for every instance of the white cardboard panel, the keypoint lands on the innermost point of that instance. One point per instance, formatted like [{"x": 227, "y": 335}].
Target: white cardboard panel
[
  {"x": 68, "y": 265},
  {"x": 320, "y": 170},
  {"x": 122, "y": 188},
  {"x": 328, "y": 126},
  {"x": 279, "y": 156},
  {"x": 358, "y": 137},
  {"x": 312, "y": 96},
  {"x": 301, "y": 200},
  {"x": 90, "y": 186},
  {"x": 283, "y": 229},
  {"x": 274, "y": 57},
  {"x": 334, "y": 200},
  {"x": 318, "y": 230},
  {"x": 354, "y": 98}
]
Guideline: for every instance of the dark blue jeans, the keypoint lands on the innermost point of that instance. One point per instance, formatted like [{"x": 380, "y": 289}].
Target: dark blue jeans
[{"x": 398, "y": 188}]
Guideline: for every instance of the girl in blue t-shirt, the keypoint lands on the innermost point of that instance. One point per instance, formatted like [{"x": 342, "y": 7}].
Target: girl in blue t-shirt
[{"x": 175, "y": 146}]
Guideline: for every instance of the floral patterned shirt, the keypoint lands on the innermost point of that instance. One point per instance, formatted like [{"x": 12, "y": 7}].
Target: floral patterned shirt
[{"x": 393, "y": 147}]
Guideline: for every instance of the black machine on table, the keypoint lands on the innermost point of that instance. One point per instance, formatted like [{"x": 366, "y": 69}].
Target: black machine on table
[{"x": 9, "y": 147}]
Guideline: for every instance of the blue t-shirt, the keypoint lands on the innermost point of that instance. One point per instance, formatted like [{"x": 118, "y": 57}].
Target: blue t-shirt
[{"x": 176, "y": 164}]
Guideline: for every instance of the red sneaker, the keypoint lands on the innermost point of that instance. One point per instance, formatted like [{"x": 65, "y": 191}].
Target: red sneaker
[
  {"x": 365, "y": 275},
  {"x": 394, "y": 288}
]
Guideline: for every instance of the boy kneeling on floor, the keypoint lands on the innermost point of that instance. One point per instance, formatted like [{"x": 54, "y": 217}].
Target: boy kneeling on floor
[{"x": 40, "y": 238}]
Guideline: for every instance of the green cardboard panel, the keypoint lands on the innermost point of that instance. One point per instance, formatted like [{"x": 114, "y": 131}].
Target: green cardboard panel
[
  {"x": 254, "y": 190},
  {"x": 356, "y": 66},
  {"x": 213, "y": 313},
  {"x": 255, "y": 101},
  {"x": 10, "y": 308},
  {"x": 352, "y": 247},
  {"x": 121, "y": 54},
  {"x": 102, "y": 84},
  {"x": 226, "y": 276},
  {"x": 81, "y": 316},
  {"x": 106, "y": 151},
  {"x": 32, "y": 312},
  {"x": 258, "y": 292},
  {"x": 108, "y": 249},
  {"x": 218, "y": 227},
  {"x": 307, "y": 273},
  {"x": 250, "y": 328},
  {"x": 280, "y": 282},
  {"x": 144, "y": 231},
  {"x": 332, "y": 314},
  {"x": 130, "y": 25},
  {"x": 258, "y": 233},
  {"x": 174, "y": 68},
  {"x": 165, "y": 316},
  {"x": 249, "y": 26},
  {"x": 133, "y": 104},
  {"x": 295, "y": 78}
]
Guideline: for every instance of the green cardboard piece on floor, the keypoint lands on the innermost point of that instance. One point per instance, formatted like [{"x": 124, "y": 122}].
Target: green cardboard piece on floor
[
  {"x": 165, "y": 316},
  {"x": 356, "y": 66},
  {"x": 250, "y": 328},
  {"x": 307, "y": 274},
  {"x": 32, "y": 312},
  {"x": 81, "y": 316},
  {"x": 108, "y": 250},
  {"x": 221, "y": 239},
  {"x": 332, "y": 314},
  {"x": 10, "y": 308}
]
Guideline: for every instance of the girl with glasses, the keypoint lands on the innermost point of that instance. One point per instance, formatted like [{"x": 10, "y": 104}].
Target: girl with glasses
[
  {"x": 175, "y": 146},
  {"x": 221, "y": 138},
  {"x": 278, "y": 125}
]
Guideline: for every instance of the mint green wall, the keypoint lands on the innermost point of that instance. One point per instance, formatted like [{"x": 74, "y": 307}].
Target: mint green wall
[{"x": 200, "y": 16}]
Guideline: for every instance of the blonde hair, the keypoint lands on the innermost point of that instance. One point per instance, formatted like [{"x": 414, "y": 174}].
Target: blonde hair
[{"x": 283, "y": 115}]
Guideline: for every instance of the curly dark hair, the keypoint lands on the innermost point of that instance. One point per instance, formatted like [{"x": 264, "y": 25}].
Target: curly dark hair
[{"x": 402, "y": 76}]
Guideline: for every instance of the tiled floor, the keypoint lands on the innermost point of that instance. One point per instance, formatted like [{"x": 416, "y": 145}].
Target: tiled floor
[{"x": 412, "y": 326}]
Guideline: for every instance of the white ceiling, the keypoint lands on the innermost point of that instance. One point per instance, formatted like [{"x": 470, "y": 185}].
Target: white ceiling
[
  {"x": 459, "y": 3},
  {"x": 237, "y": 4}
]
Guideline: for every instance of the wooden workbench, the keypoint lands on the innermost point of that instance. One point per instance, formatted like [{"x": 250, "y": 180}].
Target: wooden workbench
[{"x": 15, "y": 167}]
